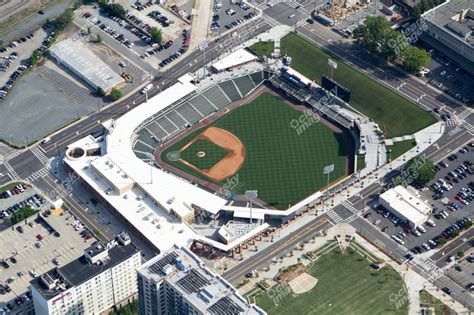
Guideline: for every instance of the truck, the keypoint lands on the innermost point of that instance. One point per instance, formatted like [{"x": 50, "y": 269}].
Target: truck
[
  {"x": 147, "y": 88},
  {"x": 321, "y": 18}
]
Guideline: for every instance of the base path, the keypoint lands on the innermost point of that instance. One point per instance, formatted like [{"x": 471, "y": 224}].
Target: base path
[{"x": 231, "y": 163}]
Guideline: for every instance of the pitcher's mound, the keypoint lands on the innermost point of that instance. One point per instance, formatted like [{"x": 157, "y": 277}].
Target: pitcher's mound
[{"x": 303, "y": 283}]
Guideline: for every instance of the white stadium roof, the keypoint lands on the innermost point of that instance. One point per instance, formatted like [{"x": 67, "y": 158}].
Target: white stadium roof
[{"x": 236, "y": 58}]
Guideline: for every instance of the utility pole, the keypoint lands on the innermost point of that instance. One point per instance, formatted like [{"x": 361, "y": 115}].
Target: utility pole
[{"x": 327, "y": 170}]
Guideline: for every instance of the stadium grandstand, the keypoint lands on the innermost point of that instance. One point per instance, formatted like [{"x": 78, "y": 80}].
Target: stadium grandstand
[{"x": 191, "y": 110}]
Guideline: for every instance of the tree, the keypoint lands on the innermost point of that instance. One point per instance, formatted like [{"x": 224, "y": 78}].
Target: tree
[
  {"x": 414, "y": 58},
  {"x": 100, "y": 92},
  {"x": 156, "y": 35},
  {"x": 460, "y": 253},
  {"x": 115, "y": 94},
  {"x": 98, "y": 38},
  {"x": 373, "y": 33},
  {"x": 113, "y": 9},
  {"x": 35, "y": 56},
  {"x": 62, "y": 21},
  {"x": 420, "y": 170}
]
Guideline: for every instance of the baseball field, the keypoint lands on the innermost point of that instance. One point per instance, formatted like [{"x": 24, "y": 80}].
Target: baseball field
[{"x": 264, "y": 147}]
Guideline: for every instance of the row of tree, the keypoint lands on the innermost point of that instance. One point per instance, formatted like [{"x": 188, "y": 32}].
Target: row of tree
[
  {"x": 424, "y": 6},
  {"x": 377, "y": 37}
]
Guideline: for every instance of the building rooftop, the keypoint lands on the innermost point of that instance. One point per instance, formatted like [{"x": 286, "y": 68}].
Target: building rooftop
[
  {"x": 202, "y": 288},
  {"x": 81, "y": 60},
  {"x": 60, "y": 279},
  {"x": 236, "y": 58},
  {"x": 455, "y": 17},
  {"x": 407, "y": 203}
]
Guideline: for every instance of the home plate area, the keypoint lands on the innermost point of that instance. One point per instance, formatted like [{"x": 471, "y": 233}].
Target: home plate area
[{"x": 303, "y": 283}]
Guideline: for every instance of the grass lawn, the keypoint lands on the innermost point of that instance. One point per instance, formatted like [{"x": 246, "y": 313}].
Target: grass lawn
[
  {"x": 283, "y": 166},
  {"x": 399, "y": 148},
  {"x": 263, "y": 48},
  {"x": 395, "y": 114},
  {"x": 427, "y": 300},
  {"x": 346, "y": 285},
  {"x": 214, "y": 154}
]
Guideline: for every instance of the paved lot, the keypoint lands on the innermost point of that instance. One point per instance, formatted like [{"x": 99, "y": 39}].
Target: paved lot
[
  {"x": 7, "y": 203},
  {"x": 226, "y": 19},
  {"x": 462, "y": 271},
  {"x": 447, "y": 76},
  {"x": 441, "y": 224},
  {"x": 149, "y": 64},
  {"x": 24, "y": 52},
  {"x": 22, "y": 246}
]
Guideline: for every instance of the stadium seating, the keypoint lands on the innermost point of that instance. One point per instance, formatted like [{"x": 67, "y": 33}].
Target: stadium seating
[
  {"x": 216, "y": 96},
  {"x": 156, "y": 130},
  {"x": 245, "y": 85},
  {"x": 230, "y": 89},
  {"x": 189, "y": 113},
  {"x": 202, "y": 105}
]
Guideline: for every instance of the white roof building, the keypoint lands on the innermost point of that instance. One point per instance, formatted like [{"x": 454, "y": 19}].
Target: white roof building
[
  {"x": 407, "y": 204},
  {"x": 158, "y": 204},
  {"x": 80, "y": 60},
  {"x": 237, "y": 58}
]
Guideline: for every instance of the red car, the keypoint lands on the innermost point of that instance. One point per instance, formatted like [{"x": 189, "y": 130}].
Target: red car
[
  {"x": 39, "y": 237},
  {"x": 458, "y": 198}
]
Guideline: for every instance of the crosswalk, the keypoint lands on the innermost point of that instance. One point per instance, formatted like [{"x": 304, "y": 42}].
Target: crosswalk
[
  {"x": 271, "y": 21},
  {"x": 39, "y": 154},
  {"x": 334, "y": 216},
  {"x": 12, "y": 155},
  {"x": 12, "y": 172},
  {"x": 434, "y": 272},
  {"x": 468, "y": 127},
  {"x": 38, "y": 174},
  {"x": 450, "y": 122},
  {"x": 465, "y": 113},
  {"x": 352, "y": 209}
]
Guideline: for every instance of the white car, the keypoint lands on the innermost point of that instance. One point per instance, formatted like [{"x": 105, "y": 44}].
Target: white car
[
  {"x": 430, "y": 223},
  {"x": 426, "y": 246},
  {"x": 416, "y": 233}
]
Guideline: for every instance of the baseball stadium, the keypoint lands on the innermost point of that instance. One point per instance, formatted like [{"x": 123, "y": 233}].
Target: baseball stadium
[
  {"x": 182, "y": 164},
  {"x": 256, "y": 139}
]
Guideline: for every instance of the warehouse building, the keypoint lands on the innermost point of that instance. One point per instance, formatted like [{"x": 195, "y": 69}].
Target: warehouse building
[
  {"x": 87, "y": 66},
  {"x": 406, "y": 204}
]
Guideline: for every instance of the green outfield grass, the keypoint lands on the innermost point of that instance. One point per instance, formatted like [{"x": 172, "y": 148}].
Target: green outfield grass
[
  {"x": 214, "y": 154},
  {"x": 263, "y": 48},
  {"x": 284, "y": 166},
  {"x": 346, "y": 285},
  {"x": 394, "y": 113}
]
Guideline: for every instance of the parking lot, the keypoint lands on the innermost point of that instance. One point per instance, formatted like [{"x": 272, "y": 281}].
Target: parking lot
[
  {"x": 447, "y": 210},
  {"x": 227, "y": 16},
  {"x": 461, "y": 271},
  {"x": 14, "y": 59},
  {"x": 449, "y": 77},
  {"x": 40, "y": 241},
  {"x": 132, "y": 40},
  {"x": 12, "y": 200}
]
